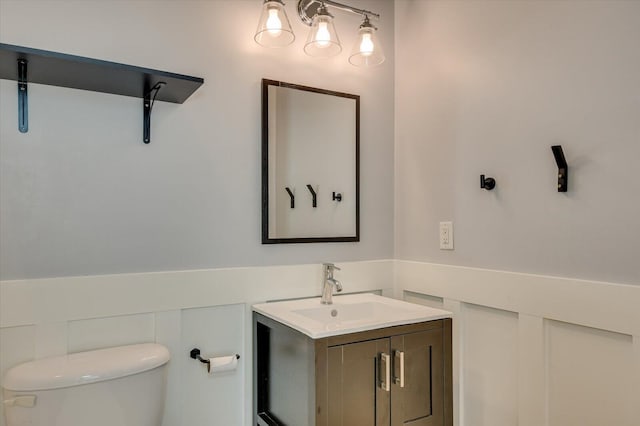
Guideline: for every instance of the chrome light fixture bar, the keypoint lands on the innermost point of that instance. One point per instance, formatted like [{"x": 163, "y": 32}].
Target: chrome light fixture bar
[
  {"x": 307, "y": 9},
  {"x": 274, "y": 30}
]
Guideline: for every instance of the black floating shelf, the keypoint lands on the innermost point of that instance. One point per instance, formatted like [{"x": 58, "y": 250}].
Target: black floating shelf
[{"x": 78, "y": 72}]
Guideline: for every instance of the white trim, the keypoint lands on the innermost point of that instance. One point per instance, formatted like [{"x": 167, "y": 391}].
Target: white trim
[
  {"x": 47, "y": 303},
  {"x": 536, "y": 299},
  {"x": 532, "y": 386},
  {"x": 457, "y": 361},
  {"x": 26, "y": 302},
  {"x": 602, "y": 305},
  {"x": 636, "y": 390}
]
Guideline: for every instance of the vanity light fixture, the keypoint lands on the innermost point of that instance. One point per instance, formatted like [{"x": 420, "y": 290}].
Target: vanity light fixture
[
  {"x": 367, "y": 51},
  {"x": 274, "y": 29},
  {"x": 322, "y": 41}
]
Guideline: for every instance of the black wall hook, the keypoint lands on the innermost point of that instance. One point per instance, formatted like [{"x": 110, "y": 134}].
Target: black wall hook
[
  {"x": 293, "y": 202},
  {"x": 313, "y": 194},
  {"x": 563, "y": 168},
  {"x": 487, "y": 183},
  {"x": 336, "y": 197}
]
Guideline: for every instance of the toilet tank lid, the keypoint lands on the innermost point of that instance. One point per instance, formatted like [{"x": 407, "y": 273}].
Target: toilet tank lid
[{"x": 85, "y": 367}]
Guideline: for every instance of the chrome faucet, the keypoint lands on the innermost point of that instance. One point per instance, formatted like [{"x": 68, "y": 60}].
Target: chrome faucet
[{"x": 328, "y": 283}]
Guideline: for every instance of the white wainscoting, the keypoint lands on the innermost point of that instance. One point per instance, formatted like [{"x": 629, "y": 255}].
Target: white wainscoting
[
  {"x": 210, "y": 309},
  {"x": 533, "y": 350},
  {"x": 528, "y": 350}
]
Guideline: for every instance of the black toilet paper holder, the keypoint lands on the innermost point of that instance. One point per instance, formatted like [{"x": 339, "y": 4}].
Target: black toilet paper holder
[{"x": 195, "y": 354}]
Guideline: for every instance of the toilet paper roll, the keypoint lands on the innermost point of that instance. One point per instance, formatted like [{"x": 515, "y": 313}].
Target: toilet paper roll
[{"x": 223, "y": 363}]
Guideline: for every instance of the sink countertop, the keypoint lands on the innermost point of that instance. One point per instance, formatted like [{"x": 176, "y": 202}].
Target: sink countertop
[{"x": 348, "y": 314}]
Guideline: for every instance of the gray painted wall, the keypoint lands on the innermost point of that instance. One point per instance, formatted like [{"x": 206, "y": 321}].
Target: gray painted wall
[
  {"x": 81, "y": 195},
  {"x": 487, "y": 87},
  {"x": 481, "y": 87}
]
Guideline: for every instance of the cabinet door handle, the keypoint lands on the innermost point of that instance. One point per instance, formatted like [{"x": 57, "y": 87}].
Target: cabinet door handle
[
  {"x": 386, "y": 378},
  {"x": 399, "y": 358}
]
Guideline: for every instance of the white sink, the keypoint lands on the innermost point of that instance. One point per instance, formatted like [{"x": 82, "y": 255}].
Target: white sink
[
  {"x": 347, "y": 314},
  {"x": 342, "y": 312}
]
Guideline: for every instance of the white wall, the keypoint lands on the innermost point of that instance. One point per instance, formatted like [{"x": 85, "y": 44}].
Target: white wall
[
  {"x": 81, "y": 194},
  {"x": 487, "y": 87},
  {"x": 534, "y": 350},
  {"x": 208, "y": 309}
]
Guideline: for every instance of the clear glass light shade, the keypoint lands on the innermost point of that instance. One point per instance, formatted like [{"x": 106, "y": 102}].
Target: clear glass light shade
[
  {"x": 322, "y": 41},
  {"x": 274, "y": 29},
  {"x": 367, "y": 51}
]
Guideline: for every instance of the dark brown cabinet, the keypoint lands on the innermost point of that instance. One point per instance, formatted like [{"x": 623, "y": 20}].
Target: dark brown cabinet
[
  {"x": 394, "y": 376},
  {"x": 354, "y": 395},
  {"x": 418, "y": 392}
]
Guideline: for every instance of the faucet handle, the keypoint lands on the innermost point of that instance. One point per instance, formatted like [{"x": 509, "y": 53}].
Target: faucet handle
[{"x": 330, "y": 267}]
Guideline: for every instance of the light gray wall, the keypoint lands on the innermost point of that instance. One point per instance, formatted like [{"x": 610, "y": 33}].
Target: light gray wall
[
  {"x": 487, "y": 87},
  {"x": 81, "y": 195}
]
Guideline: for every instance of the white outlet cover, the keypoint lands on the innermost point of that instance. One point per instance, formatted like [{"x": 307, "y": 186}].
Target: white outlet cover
[{"x": 446, "y": 235}]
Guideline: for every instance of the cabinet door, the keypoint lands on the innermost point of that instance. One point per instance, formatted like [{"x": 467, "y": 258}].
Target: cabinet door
[
  {"x": 417, "y": 393},
  {"x": 355, "y": 394}
]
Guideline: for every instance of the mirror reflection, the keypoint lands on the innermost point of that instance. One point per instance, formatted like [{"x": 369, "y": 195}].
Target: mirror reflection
[{"x": 310, "y": 164}]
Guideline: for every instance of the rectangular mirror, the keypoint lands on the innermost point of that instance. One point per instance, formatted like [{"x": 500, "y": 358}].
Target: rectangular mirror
[{"x": 310, "y": 164}]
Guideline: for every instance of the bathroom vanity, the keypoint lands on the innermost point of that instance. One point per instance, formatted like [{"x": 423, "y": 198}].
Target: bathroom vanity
[{"x": 365, "y": 360}]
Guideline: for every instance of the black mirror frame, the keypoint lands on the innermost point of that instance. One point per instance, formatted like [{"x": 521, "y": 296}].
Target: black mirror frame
[{"x": 265, "y": 166}]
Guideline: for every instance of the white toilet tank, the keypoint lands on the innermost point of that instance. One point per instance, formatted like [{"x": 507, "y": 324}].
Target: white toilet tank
[{"x": 121, "y": 386}]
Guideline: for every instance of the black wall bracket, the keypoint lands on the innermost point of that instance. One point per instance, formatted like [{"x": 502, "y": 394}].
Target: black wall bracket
[
  {"x": 563, "y": 168},
  {"x": 195, "y": 354},
  {"x": 147, "y": 108},
  {"x": 313, "y": 195},
  {"x": 293, "y": 197},
  {"x": 487, "y": 183},
  {"x": 23, "y": 105}
]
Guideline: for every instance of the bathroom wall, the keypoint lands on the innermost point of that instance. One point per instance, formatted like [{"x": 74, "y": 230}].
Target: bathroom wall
[
  {"x": 487, "y": 87},
  {"x": 534, "y": 350},
  {"x": 480, "y": 87},
  {"x": 107, "y": 241},
  {"x": 81, "y": 194},
  {"x": 544, "y": 286}
]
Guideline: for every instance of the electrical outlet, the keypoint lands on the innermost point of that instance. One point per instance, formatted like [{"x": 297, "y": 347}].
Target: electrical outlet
[{"x": 446, "y": 235}]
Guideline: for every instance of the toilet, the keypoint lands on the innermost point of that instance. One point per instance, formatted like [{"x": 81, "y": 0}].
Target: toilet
[{"x": 119, "y": 386}]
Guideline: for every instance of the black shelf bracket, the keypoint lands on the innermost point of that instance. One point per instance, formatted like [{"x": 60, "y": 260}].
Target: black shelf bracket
[
  {"x": 293, "y": 197},
  {"x": 147, "y": 108},
  {"x": 313, "y": 195},
  {"x": 23, "y": 104},
  {"x": 563, "y": 168}
]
